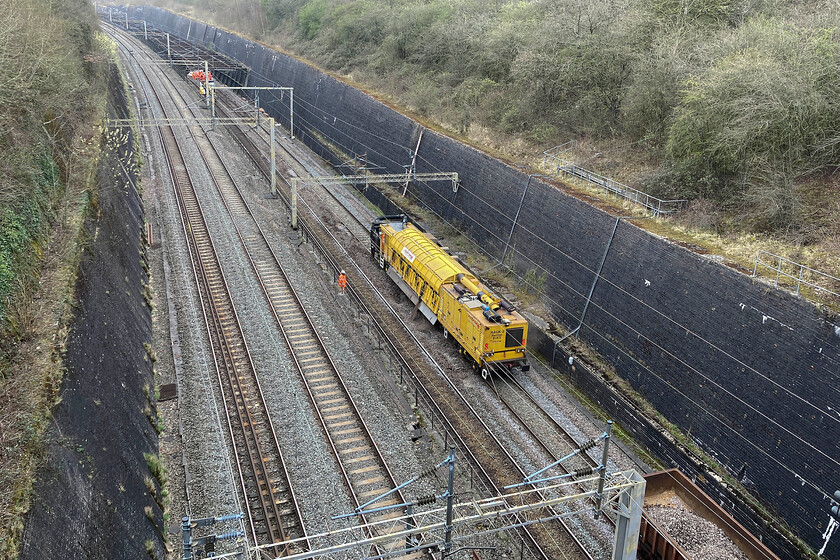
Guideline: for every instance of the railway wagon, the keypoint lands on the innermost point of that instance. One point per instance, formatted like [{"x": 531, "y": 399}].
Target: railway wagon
[
  {"x": 489, "y": 331},
  {"x": 673, "y": 489}
]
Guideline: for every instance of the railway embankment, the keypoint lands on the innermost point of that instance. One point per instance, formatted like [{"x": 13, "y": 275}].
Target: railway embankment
[
  {"x": 98, "y": 491},
  {"x": 748, "y": 373}
]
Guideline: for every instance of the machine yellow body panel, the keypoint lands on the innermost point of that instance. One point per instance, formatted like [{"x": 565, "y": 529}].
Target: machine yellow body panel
[
  {"x": 423, "y": 265},
  {"x": 484, "y": 340}
]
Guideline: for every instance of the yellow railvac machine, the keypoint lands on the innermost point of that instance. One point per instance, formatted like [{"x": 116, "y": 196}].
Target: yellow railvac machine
[{"x": 487, "y": 329}]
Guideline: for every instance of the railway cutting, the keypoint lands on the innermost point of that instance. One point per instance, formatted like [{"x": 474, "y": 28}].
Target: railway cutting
[{"x": 457, "y": 374}]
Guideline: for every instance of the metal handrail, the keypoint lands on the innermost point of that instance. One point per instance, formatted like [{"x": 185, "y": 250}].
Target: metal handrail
[
  {"x": 559, "y": 165},
  {"x": 798, "y": 276}
]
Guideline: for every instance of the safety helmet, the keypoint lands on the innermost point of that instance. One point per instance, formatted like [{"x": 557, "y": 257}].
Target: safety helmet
[{"x": 342, "y": 272}]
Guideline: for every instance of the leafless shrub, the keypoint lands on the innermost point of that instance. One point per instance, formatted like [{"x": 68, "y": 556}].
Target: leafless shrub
[
  {"x": 701, "y": 213},
  {"x": 769, "y": 200}
]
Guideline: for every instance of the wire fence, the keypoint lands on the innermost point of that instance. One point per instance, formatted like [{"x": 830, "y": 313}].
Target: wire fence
[
  {"x": 558, "y": 164},
  {"x": 792, "y": 275}
]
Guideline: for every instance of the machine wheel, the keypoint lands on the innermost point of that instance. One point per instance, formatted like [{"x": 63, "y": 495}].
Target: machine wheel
[{"x": 485, "y": 374}]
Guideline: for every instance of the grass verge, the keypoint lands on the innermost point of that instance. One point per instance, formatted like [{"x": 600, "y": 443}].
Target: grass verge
[{"x": 38, "y": 309}]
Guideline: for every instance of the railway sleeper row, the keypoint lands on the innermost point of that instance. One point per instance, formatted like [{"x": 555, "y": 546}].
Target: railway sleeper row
[
  {"x": 314, "y": 363},
  {"x": 225, "y": 316}
]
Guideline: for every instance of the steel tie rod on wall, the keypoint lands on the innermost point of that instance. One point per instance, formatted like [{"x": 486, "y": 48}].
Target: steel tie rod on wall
[{"x": 576, "y": 330}]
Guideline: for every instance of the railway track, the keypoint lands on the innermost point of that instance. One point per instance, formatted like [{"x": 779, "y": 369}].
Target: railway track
[
  {"x": 357, "y": 455},
  {"x": 484, "y": 450},
  {"x": 360, "y": 461},
  {"x": 272, "y": 512},
  {"x": 257, "y": 146},
  {"x": 562, "y": 438},
  {"x": 536, "y": 420},
  {"x": 559, "y": 436},
  {"x": 359, "y": 458}
]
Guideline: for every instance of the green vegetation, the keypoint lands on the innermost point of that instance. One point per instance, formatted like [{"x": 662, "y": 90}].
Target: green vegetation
[
  {"x": 730, "y": 101},
  {"x": 161, "y": 498},
  {"x": 534, "y": 281},
  {"x": 45, "y": 92},
  {"x": 151, "y": 355},
  {"x": 726, "y": 103},
  {"x": 156, "y": 467},
  {"x": 52, "y": 95}
]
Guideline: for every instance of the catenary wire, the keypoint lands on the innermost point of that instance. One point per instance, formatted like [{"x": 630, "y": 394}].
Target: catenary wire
[{"x": 585, "y": 267}]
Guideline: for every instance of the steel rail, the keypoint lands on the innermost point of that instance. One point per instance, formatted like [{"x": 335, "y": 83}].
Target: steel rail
[
  {"x": 252, "y": 248},
  {"x": 212, "y": 336},
  {"x": 215, "y": 293},
  {"x": 215, "y": 286},
  {"x": 301, "y": 355},
  {"x": 591, "y": 462},
  {"x": 555, "y": 426},
  {"x": 197, "y": 239}
]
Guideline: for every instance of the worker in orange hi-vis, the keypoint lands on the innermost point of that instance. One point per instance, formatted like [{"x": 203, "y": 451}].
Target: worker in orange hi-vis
[{"x": 342, "y": 281}]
